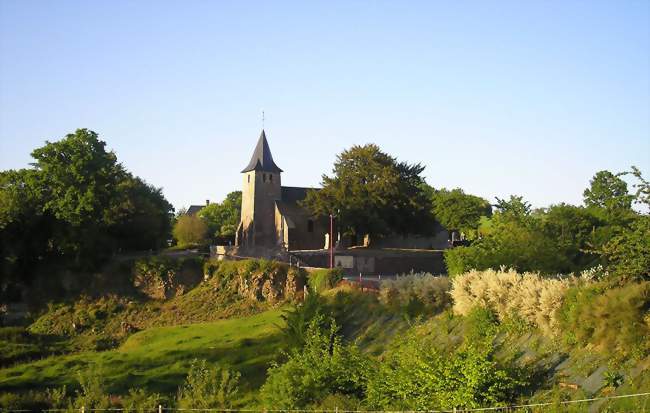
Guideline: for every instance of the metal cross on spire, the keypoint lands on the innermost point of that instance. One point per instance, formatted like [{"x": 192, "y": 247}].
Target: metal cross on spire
[{"x": 262, "y": 119}]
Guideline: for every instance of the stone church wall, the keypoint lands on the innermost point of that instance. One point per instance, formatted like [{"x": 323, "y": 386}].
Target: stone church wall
[{"x": 301, "y": 238}]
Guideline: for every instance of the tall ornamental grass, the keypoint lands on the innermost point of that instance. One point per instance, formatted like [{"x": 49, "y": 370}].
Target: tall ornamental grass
[
  {"x": 529, "y": 296},
  {"x": 416, "y": 293}
]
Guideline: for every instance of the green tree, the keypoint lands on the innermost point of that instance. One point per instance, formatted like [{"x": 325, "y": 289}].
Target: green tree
[
  {"x": 574, "y": 230},
  {"x": 628, "y": 253},
  {"x": 515, "y": 207},
  {"x": 511, "y": 243},
  {"x": 190, "y": 230},
  {"x": 223, "y": 218},
  {"x": 459, "y": 211},
  {"x": 370, "y": 192},
  {"x": 141, "y": 215},
  {"x": 78, "y": 177},
  {"x": 608, "y": 192},
  {"x": 642, "y": 193},
  {"x": 515, "y": 239},
  {"x": 75, "y": 208},
  {"x": 25, "y": 231}
]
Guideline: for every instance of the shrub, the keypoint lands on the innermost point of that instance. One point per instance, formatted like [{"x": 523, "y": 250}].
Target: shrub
[
  {"x": 138, "y": 401},
  {"x": 190, "y": 230},
  {"x": 338, "y": 402},
  {"x": 92, "y": 394},
  {"x": 58, "y": 398},
  {"x": 208, "y": 387},
  {"x": 322, "y": 367},
  {"x": 30, "y": 400},
  {"x": 416, "y": 293},
  {"x": 416, "y": 376},
  {"x": 482, "y": 324},
  {"x": 533, "y": 298},
  {"x": 615, "y": 320},
  {"x": 324, "y": 279},
  {"x": 299, "y": 317}
]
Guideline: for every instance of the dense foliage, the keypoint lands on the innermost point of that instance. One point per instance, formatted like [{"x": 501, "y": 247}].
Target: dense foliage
[
  {"x": 323, "y": 366},
  {"x": 208, "y": 386},
  {"x": 370, "y": 192},
  {"x": 190, "y": 230},
  {"x": 222, "y": 218},
  {"x": 323, "y": 279},
  {"x": 416, "y": 376},
  {"x": 614, "y": 320},
  {"x": 565, "y": 238},
  {"x": 514, "y": 241},
  {"x": 458, "y": 211},
  {"x": 628, "y": 253},
  {"x": 74, "y": 208}
]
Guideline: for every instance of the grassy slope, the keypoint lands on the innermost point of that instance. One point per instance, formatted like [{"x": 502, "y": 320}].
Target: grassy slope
[{"x": 158, "y": 358}]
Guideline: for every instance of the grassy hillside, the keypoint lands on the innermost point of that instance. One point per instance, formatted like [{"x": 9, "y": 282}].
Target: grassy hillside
[
  {"x": 157, "y": 359},
  {"x": 550, "y": 332}
]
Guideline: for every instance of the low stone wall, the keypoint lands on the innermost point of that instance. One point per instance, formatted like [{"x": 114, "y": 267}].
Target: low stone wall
[{"x": 376, "y": 261}]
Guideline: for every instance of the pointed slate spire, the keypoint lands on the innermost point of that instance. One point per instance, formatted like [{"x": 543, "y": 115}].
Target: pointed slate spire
[{"x": 262, "y": 159}]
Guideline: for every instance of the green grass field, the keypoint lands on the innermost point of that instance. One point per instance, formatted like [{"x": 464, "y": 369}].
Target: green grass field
[{"x": 157, "y": 359}]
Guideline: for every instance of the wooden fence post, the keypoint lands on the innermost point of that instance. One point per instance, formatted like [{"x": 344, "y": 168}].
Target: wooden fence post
[{"x": 160, "y": 408}]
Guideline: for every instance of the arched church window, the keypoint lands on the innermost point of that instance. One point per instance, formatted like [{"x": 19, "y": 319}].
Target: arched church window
[{"x": 249, "y": 179}]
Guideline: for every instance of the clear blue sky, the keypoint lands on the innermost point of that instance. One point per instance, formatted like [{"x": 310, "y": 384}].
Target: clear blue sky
[{"x": 499, "y": 98}]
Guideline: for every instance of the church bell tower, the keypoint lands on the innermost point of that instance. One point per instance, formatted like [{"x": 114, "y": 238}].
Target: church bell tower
[{"x": 261, "y": 188}]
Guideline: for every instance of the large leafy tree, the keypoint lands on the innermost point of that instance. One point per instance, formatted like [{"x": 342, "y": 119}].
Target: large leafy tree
[
  {"x": 75, "y": 207},
  {"x": 515, "y": 207},
  {"x": 370, "y": 192},
  {"x": 456, "y": 210},
  {"x": 78, "y": 177},
  {"x": 608, "y": 192},
  {"x": 222, "y": 218},
  {"x": 139, "y": 214},
  {"x": 575, "y": 231},
  {"x": 628, "y": 253}
]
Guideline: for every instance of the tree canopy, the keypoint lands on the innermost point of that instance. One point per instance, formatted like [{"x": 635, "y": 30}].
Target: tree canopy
[
  {"x": 222, "y": 218},
  {"x": 190, "y": 230},
  {"x": 566, "y": 238},
  {"x": 459, "y": 211},
  {"x": 370, "y": 192},
  {"x": 608, "y": 191},
  {"x": 76, "y": 206}
]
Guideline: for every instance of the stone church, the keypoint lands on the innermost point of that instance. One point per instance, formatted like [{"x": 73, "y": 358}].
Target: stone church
[{"x": 271, "y": 216}]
